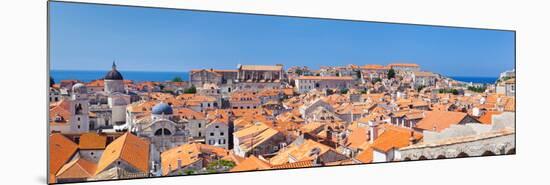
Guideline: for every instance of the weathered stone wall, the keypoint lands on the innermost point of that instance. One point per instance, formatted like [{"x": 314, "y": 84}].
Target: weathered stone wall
[{"x": 498, "y": 145}]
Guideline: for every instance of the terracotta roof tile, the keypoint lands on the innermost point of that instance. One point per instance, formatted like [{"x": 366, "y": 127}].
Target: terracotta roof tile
[
  {"x": 77, "y": 169},
  {"x": 188, "y": 154},
  {"x": 251, "y": 163},
  {"x": 61, "y": 109},
  {"x": 261, "y": 68},
  {"x": 365, "y": 156},
  {"x": 92, "y": 141},
  {"x": 61, "y": 150},
  {"x": 440, "y": 120},
  {"x": 487, "y": 118},
  {"x": 300, "y": 164},
  {"x": 128, "y": 148},
  {"x": 403, "y": 65},
  {"x": 357, "y": 137},
  {"x": 255, "y": 134},
  {"x": 325, "y": 78},
  {"x": 393, "y": 137}
]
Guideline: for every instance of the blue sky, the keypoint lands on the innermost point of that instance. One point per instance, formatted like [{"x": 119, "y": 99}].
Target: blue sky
[{"x": 90, "y": 37}]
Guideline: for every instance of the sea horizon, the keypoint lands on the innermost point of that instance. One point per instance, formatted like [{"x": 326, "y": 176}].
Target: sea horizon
[
  {"x": 162, "y": 76},
  {"x": 136, "y": 76}
]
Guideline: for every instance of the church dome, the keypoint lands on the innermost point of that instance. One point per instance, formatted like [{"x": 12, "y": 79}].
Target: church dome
[
  {"x": 162, "y": 108},
  {"x": 113, "y": 74},
  {"x": 79, "y": 88}
]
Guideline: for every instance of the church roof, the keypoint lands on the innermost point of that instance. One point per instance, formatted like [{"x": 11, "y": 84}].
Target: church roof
[
  {"x": 162, "y": 108},
  {"x": 113, "y": 74}
]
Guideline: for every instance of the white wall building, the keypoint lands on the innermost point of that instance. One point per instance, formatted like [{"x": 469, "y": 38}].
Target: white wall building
[{"x": 305, "y": 84}]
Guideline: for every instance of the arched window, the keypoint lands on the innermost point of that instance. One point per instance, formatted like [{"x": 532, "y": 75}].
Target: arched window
[
  {"x": 461, "y": 155},
  {"x": 422, "y": 158},
  {"x": 163, "y": 131},
  {"x": 441, "y": 157},
  {"x": 78, "y": 109},
  {"x": 487, "y": 153},
  {"x": 511, "y": 151}
]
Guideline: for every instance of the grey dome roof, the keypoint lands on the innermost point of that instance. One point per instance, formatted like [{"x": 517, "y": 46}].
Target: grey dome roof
[
  {"x": 113, "y": 74},
  {"x": 79, "y": 88},
  {"x": 162, "y": 108}
]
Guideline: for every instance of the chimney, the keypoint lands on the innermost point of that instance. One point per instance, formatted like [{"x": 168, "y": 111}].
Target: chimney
[
  {"x": 314, "y": 153},
  {"x": 411, "y": 138},
  {"x": 329, "y": 135},
  {"x": 373, "y": 131},
  {"x": 179, "y": 163}
]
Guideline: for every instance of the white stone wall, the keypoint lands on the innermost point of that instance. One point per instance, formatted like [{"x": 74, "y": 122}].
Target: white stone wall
[
  {"x": 112, "y": 86},
  {"x": 498, "y": 145},
  {"x": 217, "y": 135},
  {"x": 378, "y": 156},
  {"x": 306, "y": 85},
  {"x": 91, "y": 155},
  {"x": 194, "y": 129}
]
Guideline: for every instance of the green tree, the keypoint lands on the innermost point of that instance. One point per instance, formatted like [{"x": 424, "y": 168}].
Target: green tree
[
  {"x": 375, "y": 80},
  {"x": 344, "y": 91},
  {"x": 51, "y": 81},
  {"x": 168, "y": 91},
  {"x": 190, "y": 90},
  {"x": 419, "y": 88},
  {"x": 454, "y": 91},
  {"x": 391, "y": 74},
  {"x": 299, "y": 72},
  {"x": 189, "y": 172},
  {"x": 177, "y": 79},
  {"x": 221, "y": 164},
  {"x": 477, "y": 89}
]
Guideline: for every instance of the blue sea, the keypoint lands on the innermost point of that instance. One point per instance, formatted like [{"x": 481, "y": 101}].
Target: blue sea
[
  {"x": 137, "y": 76},
  {"x": 140, "y": 76},
  {"x": 484, "y": 80}
]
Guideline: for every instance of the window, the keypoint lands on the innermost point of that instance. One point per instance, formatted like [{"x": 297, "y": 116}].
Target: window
[
  {"x": 78, "y": 126},
  {"x": 217, "y": 126},
  {"x": 200, "y": 134},
  {"x": 211, "y": 133},
  {"x": 221, "y": 133},
  {"x": 199, "y": 125}
]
